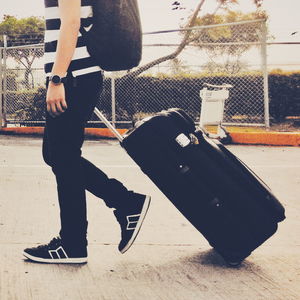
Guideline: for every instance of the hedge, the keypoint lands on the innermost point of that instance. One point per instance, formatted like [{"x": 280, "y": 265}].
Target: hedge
[
  {"x": 284, "y": 93},
  {"x": 151, "y": 94},
  {"x": 26, "y": 104}
]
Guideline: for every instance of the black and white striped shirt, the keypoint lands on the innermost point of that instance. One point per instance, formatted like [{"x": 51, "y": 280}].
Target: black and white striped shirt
[{"x": 82, "y": 63}]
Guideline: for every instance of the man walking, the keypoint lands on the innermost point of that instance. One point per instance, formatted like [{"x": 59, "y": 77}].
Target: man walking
[{"x": 74, "y": 84}]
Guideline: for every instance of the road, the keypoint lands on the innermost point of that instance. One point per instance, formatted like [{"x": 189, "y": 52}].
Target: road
[{"x": 170, "y": 259}]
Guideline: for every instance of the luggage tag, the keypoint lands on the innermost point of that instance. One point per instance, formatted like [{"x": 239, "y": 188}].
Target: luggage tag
[{"x": 183, "y": 140}]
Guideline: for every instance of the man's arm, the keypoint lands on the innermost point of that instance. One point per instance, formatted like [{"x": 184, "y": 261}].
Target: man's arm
[
  {"x": 68, "y": 35},
  {"x": 70, "y": 24}
]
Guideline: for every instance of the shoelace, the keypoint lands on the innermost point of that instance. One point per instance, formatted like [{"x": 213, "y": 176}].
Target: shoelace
[{"x": 53, "y": 242}]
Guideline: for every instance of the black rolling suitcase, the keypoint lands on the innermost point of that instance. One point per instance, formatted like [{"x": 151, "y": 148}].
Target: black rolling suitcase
[{"x": 234, "y": 210}]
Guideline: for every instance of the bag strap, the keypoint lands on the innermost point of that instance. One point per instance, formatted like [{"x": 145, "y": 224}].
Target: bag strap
[{"x": 83, "y": 32}]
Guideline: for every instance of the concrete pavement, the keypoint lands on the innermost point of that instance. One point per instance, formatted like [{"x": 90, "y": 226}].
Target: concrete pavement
[{"x": 170, "y": 259}]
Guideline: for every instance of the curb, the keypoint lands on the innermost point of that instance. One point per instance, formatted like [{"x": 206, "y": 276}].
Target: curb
[
  {"x": 248, "y": 138},
  {"x": 266, "y": 138},
  {"x": 39, "y": 131}
]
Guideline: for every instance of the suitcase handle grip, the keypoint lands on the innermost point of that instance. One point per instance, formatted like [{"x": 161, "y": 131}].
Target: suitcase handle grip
[{"x": 100, "y": 115}]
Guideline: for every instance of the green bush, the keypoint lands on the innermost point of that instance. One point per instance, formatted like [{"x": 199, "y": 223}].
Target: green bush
[
  {"x": 27, "y": 105},
  {"x": 151, "y": 94},
  {"x": 284, "y": 92},
  {"x": 148, "y": 94}
]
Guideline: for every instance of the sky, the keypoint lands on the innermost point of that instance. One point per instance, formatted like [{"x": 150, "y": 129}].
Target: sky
[{"x": 157, "y": 15}]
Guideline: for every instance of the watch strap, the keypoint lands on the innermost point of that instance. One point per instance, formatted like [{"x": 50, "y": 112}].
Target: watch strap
[{"x": 61, "y": 79}]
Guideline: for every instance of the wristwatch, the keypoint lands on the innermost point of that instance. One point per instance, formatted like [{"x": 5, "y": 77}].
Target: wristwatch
[{"x": 56, "y": 79}]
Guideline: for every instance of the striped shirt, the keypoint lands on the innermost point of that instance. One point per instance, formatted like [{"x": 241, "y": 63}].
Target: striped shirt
[{"x": 82, "y": 63}]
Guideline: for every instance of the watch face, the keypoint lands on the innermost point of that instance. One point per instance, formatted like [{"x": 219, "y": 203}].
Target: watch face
[{"x": 56, "y": 79}]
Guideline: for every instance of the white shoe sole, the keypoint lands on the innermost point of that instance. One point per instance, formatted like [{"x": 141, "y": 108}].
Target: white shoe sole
[
  {"x": 139, "y": 224},
  {"x": 77, "y": 260}
]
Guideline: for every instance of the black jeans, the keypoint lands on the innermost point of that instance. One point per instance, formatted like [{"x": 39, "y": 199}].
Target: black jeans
[{"x": 63, "y": 139}]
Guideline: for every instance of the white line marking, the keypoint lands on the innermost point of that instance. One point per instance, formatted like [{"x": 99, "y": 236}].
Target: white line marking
[
  {"x": 42, "y": 166},
  {"x": 135, "y": 166},
  {"x": 275, "y": 166}
]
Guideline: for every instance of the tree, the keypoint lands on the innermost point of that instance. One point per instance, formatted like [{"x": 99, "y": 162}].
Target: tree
[
  {"x": 227, "y": 43},
  {"x": 19, "y": 32},
  {"x": 177, "y": 66},
  {"x": 186, "y": 39},
  {"x": 23, "y": 31}
]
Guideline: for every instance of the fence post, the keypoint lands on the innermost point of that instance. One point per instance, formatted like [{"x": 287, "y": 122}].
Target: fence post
[
  {"x": 1, "y": 88},
  {"x": 113, "y": 100},
  {"x": 265, "y": 73},
  {"x": 4, "y": 81}
]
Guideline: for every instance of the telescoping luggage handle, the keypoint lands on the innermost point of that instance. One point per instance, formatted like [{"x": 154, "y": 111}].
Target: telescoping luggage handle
[{"x": 100, "y": 115}]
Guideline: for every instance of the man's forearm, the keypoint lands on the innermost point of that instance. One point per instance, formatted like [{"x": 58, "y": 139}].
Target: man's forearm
[{"x": 65, "y": 47}]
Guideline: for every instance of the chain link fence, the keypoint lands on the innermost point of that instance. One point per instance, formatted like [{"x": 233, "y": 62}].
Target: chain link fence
[{"x": 229, "y": 53}]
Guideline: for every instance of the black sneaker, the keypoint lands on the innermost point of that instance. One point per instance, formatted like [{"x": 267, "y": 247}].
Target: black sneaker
[
  {"x": 56, "y": 253},
  {"x": 131, "y": 220}
]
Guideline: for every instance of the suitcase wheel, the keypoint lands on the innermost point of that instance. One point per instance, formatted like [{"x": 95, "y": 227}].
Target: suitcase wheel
[
  {"x": 233, "y": 264},
  {"x": 233, "y": 259}
]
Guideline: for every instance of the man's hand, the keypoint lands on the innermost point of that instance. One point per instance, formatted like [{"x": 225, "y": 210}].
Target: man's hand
[{"x": 56, "y": 102}]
